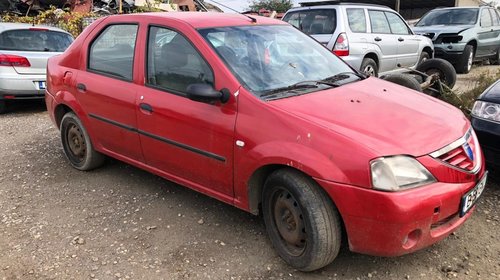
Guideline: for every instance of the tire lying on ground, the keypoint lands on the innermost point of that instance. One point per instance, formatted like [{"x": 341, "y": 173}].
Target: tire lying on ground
[
  {"x": 404, "y": 80},
  {"x": 445, "y": 70}
]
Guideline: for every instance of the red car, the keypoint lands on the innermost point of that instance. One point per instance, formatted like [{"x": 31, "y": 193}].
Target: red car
[{"x": 253, "y": 112}]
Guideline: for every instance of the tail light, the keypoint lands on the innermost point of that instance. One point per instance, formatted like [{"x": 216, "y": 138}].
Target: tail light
[
  {"x": 14, "y": 60},
  {"x": 341, "y": 47}
]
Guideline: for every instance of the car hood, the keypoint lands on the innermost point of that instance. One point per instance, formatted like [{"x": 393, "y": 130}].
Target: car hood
[
  {"x": 492, "y": 94},
  {"x": 436, "y": 30},
  {"x": 384, "y": 117}
]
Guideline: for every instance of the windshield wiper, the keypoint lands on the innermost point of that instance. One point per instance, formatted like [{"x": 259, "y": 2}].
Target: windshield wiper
[{"x": 342, "y": 76}]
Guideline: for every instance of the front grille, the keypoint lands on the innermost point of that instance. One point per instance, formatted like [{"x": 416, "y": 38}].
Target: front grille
[{"x": 463, "y": 154}]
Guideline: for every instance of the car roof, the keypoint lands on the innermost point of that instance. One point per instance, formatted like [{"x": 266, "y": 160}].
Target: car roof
[
  {"x": 208, "y": 19},
  {"x": 5, "y": 26}
]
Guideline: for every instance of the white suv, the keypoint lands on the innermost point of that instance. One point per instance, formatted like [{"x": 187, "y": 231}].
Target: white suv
[{"x": 371, "y": 38}]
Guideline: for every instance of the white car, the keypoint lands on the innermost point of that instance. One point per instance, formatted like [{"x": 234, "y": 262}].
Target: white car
[{"x": 24, "y": 50}]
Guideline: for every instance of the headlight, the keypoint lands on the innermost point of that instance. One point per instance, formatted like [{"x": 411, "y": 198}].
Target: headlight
[
  {"x": 486, "y": 110},
  {"x": 399, "y": 173}
]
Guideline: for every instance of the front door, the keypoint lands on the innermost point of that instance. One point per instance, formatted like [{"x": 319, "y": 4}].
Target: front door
[
  {"x": 385, "y": 43},
  {"x": 191, "y": 142}
]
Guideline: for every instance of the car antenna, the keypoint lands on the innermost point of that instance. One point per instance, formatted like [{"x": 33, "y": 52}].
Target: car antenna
[{"x": 254, "y": 20}]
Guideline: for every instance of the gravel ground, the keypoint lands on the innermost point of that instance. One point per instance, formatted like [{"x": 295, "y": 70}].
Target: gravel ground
[{"x": 119, "y": 222}]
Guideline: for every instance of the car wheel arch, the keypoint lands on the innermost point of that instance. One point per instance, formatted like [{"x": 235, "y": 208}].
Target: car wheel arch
[
  {"x": 59, "y": 112},
  {"x": 428, "y": 50},
  {"x": 473, "y": 43},
  {"x": 373, "y": 56}
]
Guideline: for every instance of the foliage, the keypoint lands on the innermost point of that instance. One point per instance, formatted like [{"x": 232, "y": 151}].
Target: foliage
[
  {"x": 464, "y": 101},
  {"x": 279, "y": 6},
  {"x": 71, "y": 22}
]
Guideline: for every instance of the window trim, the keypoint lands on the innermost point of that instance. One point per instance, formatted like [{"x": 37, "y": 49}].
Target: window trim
[
  {"x": 146, "y": 61},
  {"x": 349, "y": 24},
  {"x": 109, "y": 75}
]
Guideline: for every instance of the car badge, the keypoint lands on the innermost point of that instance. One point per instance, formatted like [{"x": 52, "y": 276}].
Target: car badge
[{"x": 468, "y": 151}]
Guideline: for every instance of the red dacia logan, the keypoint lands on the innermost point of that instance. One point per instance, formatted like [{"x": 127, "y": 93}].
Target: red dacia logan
[{"x": 253, "y": 112}]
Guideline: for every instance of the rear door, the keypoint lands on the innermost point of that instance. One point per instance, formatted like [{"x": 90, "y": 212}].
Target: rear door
[
  {"x": 106, "y": 90},
  {"x": 487, "y": 35},
  {"x": 383, "y": 41}
]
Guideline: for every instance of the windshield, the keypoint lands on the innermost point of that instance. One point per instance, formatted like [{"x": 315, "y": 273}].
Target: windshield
[
  {"x": 37, "y": 40},
  {"x": 266, "y": 58},
  {"x": 449, "y": 17}
]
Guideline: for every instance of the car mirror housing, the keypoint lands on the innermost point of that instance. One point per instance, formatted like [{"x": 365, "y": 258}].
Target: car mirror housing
[{"x": 206, "y": 93}]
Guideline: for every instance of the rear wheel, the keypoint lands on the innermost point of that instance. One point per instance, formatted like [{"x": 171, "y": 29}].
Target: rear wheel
[
  {"x": 301, "y": 221},
  {"x": 77, "y": 145},
  {"x": 3, "y": 106},
  {"x": 496, "y": 59},
  {"x": 465, "y": 64},
  {"x": 369, "y": 67}
]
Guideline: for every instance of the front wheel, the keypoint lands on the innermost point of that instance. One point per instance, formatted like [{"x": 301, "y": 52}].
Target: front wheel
[
  {"x": 77, "y": 145},
  {"x": 465, "y": 64},
  {"x": 301, "y": 221}
]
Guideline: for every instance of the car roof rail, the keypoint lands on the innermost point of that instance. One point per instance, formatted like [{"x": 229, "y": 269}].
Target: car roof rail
[{"x": 336, "y": 2}]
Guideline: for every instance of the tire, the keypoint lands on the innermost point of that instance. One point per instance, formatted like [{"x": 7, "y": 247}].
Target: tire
[
  {"x": 404, "y": 80},
  {"x": 369, "y": 67},
  {"x": 423, "y": 57},
  {"x": 310, "y": 237},
  {"x": 447, "y": 73},
  {"x": 80, "y": 151},
  {"x": 496, "y": 59},
  {"x": 3, "y": 106},
  {"x": 465, "y": 64}
]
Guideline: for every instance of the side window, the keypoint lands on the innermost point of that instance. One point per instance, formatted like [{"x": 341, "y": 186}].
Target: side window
[
  {"x": 357, "y": 20},
  {"x": 112, "y": 52},
  {"x": 173, "y": 63},
  {"x": 379, "y": 22},
  {"x": 397, "y": 25},
  {"x": 485, "y": 18},
  {"x": 494, "y": 17}
]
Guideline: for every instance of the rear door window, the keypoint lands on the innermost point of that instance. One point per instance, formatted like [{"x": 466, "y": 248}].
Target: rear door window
[
  {"x": 379, "y": 22},
  {"x": 35, "y": 40},
  {"x": 357, "y": 20},
  {"x": 315, "y": 21},
  {"x": 112, "y": 52}
]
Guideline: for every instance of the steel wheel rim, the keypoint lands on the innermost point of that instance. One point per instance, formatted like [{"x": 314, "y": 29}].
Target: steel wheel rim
[
  {"x": 76, "y": 143},
  {"x": 369, "y": 70},
  {"x": 469, "y": 61},
  {"x": 289, "y": 221}
]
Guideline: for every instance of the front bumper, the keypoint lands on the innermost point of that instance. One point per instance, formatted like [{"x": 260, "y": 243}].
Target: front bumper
[
  {"x": 396, "y": 223},
  {"x": 451, "y": 52},
  {"x": 488, "y": 133}
]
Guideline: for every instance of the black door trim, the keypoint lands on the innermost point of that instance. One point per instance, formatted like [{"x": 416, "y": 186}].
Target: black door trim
[{"x": 162, "y": 139}]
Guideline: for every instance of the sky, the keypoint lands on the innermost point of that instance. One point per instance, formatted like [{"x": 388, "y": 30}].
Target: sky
[{"x": 242, "y": 5}]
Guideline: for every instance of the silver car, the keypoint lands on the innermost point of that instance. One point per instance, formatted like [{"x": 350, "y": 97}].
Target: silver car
[
  {"x": 371, "y": 38},
  {"x": 24, "y": 50}
]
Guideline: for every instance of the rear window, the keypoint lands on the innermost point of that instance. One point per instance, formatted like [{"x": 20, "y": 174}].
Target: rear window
[
  {"x": 35, "y": 40},
  {"x": 316, "y": 21}
]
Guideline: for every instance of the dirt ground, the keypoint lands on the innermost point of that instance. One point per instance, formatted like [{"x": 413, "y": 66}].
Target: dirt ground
[{"x": 119, "y": 222}]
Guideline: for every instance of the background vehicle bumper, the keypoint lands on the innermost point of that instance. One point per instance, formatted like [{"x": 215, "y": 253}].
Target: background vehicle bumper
[
  {"x": 453, "y": 55},
  {"x": 397, "y": 223},
  {"x": 488, "y": 133},
  {"x": 24, "y": 87}
]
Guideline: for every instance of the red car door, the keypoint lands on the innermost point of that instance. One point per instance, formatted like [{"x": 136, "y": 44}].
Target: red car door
[
  {"x": 191, "y": 142},
  {"x": 105, "y": 89}
]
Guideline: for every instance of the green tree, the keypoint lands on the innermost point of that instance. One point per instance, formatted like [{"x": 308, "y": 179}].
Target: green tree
[{"x": 279, "y": 6}]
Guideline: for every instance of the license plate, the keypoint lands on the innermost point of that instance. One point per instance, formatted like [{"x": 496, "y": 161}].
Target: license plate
[
  {"x": 470, "y": 198},
  {"x": 41, "y": 85}
]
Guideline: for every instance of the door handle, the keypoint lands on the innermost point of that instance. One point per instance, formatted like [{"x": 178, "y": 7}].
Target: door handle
[
  {"x": 401, "y": 39},
  {"x": 146, "y": 107},
  {"x": 378, "y": 39},
  {"x": 81, "y": 87}
]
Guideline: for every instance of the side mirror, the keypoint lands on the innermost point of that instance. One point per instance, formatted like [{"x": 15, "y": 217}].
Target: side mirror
[{"x": 206, "y": 93}]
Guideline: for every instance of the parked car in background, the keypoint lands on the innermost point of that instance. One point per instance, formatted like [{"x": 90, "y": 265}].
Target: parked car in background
[
  {"x": 463, "y": 35},
  {"x": 24, "y": 50},
  {"x": 371, "y": 38},
  {"x": 253, "y": 112},
  {"x": 486, "y": 123}
]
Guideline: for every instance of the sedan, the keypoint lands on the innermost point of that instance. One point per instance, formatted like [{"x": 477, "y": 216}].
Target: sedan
[
  {"x": 24, "y": 50},
  {"x": 486, "y": 123}
]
